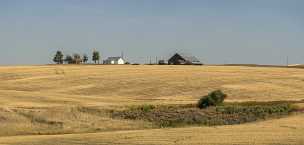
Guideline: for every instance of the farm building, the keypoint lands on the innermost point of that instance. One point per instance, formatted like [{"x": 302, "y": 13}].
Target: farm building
[
  {"x": 114, "y": 60},
  {"x": 183, "y": 59}
]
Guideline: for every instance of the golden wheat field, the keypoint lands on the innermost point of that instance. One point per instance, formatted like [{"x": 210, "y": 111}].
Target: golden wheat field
[{"x": 65, "y": 104}]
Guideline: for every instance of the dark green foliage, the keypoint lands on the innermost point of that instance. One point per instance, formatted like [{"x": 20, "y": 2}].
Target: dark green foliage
[
  {"x": 96, "y": 56},
  {"x": 212, "y": 99},
  {"x": 85, "y": 58},
  {"x": 68, "y": 59},
  {"x": 58, "y": 58}
]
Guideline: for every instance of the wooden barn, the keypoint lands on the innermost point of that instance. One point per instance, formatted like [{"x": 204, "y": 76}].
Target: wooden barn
[{"x": 183, "y": 59}]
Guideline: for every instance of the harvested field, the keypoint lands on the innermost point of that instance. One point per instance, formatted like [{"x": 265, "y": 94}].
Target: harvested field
[
  {"x": 67, "y": 104},
  {"x": 275, "y": 132}
]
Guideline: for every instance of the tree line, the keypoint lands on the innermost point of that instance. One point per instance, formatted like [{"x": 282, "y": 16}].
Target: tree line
[{"x": 76, "y": 58}]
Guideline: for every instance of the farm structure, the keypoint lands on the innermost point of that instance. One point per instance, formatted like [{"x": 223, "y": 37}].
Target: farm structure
[
  {"x": 183, "y": 59},
  {"x": 114, "y": 60}
]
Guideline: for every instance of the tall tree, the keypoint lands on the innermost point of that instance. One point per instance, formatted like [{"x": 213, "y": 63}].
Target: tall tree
[
  {"x": 58, "y": 58},
  {"x": 96, "y": 56},
  {"x": 85, "y": 58},
  {"x": 68, "y": 59},
  {"x": 77, "y": 58}
]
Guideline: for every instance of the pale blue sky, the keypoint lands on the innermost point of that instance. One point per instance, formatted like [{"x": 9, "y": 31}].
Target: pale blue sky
[{"x": 216, "y": 31}]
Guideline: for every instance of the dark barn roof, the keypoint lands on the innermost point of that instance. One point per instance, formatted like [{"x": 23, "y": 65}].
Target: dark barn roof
[
  {"x": 189, "y": 58},
  {"x": 180, "y": 58}
]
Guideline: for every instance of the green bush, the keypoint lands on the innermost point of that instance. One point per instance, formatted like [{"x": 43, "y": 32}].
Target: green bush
[{"x": 212, "y": 99}]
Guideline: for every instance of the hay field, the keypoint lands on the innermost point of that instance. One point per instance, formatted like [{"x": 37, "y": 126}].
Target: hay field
[{"x": 66, "y": 104}]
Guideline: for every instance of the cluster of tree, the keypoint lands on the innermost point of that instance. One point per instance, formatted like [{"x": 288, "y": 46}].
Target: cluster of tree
[{"x": 59, "y": 58}]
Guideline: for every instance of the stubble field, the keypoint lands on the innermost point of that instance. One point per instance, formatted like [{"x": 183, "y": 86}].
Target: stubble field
[{"x": 67, "y": 105}]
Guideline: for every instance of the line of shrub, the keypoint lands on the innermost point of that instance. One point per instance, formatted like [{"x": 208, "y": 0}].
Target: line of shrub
[
  {"x": 225, "y": 114},
  {"x": 210, "y": 110}
]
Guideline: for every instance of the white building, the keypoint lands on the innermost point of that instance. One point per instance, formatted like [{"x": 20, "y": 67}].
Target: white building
[{"x": 114, "y": 60}]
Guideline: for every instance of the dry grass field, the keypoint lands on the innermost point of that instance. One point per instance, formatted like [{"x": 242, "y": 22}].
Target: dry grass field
[{"x": 66, "y": 105}]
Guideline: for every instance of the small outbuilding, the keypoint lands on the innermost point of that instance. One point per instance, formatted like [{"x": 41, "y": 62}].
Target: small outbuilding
[
  {"x": 114, "y": 60},
  {"x": 183, "y": 59}
]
